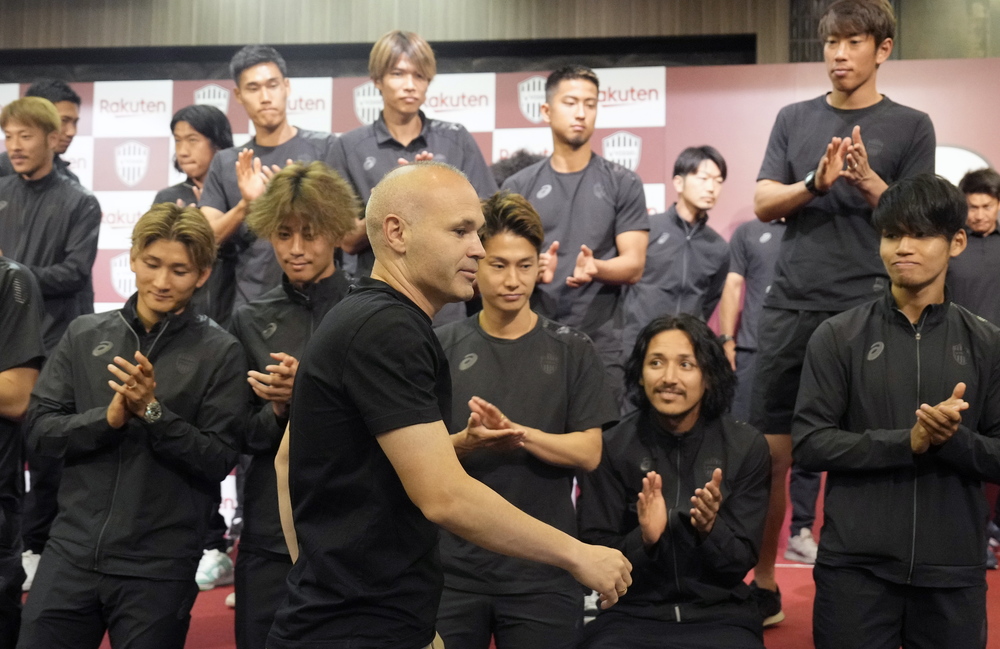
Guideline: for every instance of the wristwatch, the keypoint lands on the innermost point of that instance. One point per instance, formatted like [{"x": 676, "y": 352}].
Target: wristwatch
[
  {"x": 810, "y": 181},
  {"x": 153, "y": 412},
  {"x": 725, "y": 338}
]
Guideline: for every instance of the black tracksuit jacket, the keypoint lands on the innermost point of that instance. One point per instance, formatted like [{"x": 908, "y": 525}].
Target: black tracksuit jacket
[
  {"x": 909, "y": 519},
  {"x": 136, "y": 501},
  {"x": 281, "y": 320},
  {"x": 682, "y": 578}
]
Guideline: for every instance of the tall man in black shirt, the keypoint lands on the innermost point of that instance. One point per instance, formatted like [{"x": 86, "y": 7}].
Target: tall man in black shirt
[
  {"x": 901, "y": 553},
  {"x": 305, "y": 211},
  {"x": 371, "y": 466},
  {"x": 972, "y": 276},
  {"x": 594, "y": 208},
  {"x": 67, "y": 104},
  {"x": 824, "y": 179},
  {"x": 236, "y": 176},
  {"x": 550, "y": 384},
  {"x": 21, "y": 354}
]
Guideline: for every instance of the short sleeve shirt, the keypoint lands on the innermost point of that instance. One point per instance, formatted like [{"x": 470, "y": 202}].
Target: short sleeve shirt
[
  {"x": 752, "y": 253},
  {"x": 589, "y": 207},
  {"x": 829, "y": 259},
  {"x": 255, "y": 268},
  {"x": 181, "y": 191},
  {"x": 369, "y": 574},
  {"x": 972, "y": 276},
  {"x": 551, "y": 379}
]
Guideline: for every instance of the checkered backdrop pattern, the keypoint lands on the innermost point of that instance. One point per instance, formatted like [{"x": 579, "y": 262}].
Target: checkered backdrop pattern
[{"x": 124, "y": 150}]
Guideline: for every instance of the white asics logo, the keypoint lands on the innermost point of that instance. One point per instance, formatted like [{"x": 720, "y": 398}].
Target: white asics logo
[
  {"x": 876, "y": 350},
  {"x": 468, "y": 361},
  {"x": 544, "y": 191}
]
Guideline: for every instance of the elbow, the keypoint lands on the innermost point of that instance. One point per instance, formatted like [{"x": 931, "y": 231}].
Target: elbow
[{"x": 635, "y": 272}]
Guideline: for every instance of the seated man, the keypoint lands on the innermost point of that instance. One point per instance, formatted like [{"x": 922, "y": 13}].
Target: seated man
[
  {"x": 548, "y": 379},
  {"x": 702, "y": 481},
  {"x": 305, "y": 211},
  {"x": 900, "y": 557},
  {"x": 144, "y": 405}
]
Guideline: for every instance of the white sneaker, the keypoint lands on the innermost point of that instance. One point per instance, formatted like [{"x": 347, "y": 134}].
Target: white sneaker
[
  {"x": 231, "y": 600},
  {"x": 214, "y": 569},
  {"x": 29, "y": 561},
  {"x": 802, "y": 548}
]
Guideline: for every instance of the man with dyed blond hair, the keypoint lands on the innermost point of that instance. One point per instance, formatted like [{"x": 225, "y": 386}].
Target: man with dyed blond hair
[
  {"x": 304, "y": 213},
  {"x": 402, "y": 66},
  {"x": 143, "y": 404},
  {"x": 371, "y": 469}
]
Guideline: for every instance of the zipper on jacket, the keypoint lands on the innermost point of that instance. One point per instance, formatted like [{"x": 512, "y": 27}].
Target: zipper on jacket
[
  {"x": 913, "y": 537},
  {"x": 673, "y": 545}
]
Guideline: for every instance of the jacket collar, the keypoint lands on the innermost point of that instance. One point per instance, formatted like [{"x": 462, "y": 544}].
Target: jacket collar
[
  {"x": 382, "y": 134},
  {"x": 698, "y": 224},
  {"x": 318, "y": 294},
  {"x": 131, "y": 315},
  {"x": 932, "y": 315}
]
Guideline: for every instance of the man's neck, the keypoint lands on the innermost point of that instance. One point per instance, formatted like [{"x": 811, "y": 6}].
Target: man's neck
[
  {"x": 912, "y": 302},
  {"x": 403, "y": 127},
  {"x": 394, "y": 277},
  {"x": 508, "y": 325},
  {"x": 861, "y": 97},
  {"x": 567, "y": 159},
  {"x": 679, "y": 424},
  {"x": 41, "y": 172},
  {"x": 688, "y": 212},
  {"x": 275, "y": 137}
]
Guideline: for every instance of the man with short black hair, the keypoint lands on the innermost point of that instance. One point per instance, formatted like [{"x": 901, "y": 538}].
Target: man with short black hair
[
  {"x": 972, "y": 276},
  {"x": 901, "y": 551},
  {"x": 238, "y": 175},
  {"x": 594, "y": 208},
  {"x": 144, "y": 405},
  {"x": 686, "y": 261},
  {"x": 824, "y": 180},
  {"x": 67, "y": 104}
]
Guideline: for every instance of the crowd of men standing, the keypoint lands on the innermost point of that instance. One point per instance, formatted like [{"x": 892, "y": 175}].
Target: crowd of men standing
[{"x": 414, "y": 362}]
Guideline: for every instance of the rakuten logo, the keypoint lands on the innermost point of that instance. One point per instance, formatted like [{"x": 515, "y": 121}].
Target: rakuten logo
[
  {"x": 121, "y": 218},
  {"x": 443, "y": 103},
  {"x": 625, "y": 96},
  {"x": 129, "y": 108},
  {"x": 505, "y": 153},
  {"x": 303, "y": 104}
]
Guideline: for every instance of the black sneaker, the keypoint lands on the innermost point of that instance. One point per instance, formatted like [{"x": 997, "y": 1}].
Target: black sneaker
[{"x": 768, "y": 603}]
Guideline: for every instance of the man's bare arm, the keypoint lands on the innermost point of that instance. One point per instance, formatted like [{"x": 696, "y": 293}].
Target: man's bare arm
[
  {"x": 15, "y": 391},
  {"x": 626, "y": 268},
  {"x": 426, "y": 464},
  {"x": 285, "y": 498},
  {"x": 773, "y": 200},
  {"x": 729, "y": 313}
]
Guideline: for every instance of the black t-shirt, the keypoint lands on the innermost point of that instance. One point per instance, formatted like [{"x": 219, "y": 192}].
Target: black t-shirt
[
  {"x": 972, "y": 276},
  {"x": 183, "y": 191},
  {"x": 369, "y": 573},
  {"x": 589, "y": 207},
  {"x": 551, "y": 379},
  {"x": 20, "y": 346},
  {"x": 752, "y": 253},
  {"x": 248, "y": 261},
  {"x": 829, "y": 258}
]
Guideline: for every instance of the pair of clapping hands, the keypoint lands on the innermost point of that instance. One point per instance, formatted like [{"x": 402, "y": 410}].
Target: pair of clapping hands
[
  {"x": 652, "y": 508},
  {"x": 937, "y": 424}
]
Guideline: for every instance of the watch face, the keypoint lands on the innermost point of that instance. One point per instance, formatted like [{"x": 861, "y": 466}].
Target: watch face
[{"x": 153, "y": 411}]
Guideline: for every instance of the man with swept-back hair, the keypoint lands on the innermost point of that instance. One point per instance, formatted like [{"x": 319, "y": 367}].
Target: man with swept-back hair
[
  {"x": 551, "y": 387},
  {"x": 972, "y": 275},
  {"x": 67, "y": 104},
  {"x": 402, "y": 66},
  {"x": 900, "y": 557},
  {"x": 304, "y": 213},
  {"x": 235, "y": 178},
  {"x": 371, "y": 468},
  {"x": 823, "y": 179},
  {"x": 702, "y": 483},
  {"x": 144, "y": 405},
  {"x": 199, "y": 131}
]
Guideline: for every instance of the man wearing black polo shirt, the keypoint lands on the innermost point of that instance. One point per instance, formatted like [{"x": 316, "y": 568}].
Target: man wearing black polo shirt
[
  {"x": 262, "y": 88},
  {"x": 820, "y": 175},
  {"x": 371, "y": 467},
  {"x": 972, "y": 276},
  {"x": 21, "y": 355},
  {"x": 548, "y": 379},
  {"x": 595, "y": 209},
  {"x": 67, "y": 104}
]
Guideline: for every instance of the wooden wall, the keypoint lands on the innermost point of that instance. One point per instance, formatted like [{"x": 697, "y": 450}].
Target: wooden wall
[{"x": 26, "y": 24}]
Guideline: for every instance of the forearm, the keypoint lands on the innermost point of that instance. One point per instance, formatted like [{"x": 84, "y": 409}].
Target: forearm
[
  {"x": 15, "y": 391},
  {"x": 773, "y": 200},
  {"x": 225, "y": 224},
  {"x": 264, "y": 431},
  {"x": 872, "y": 189},
  {"x": 729, "y": 304},
  {"x": 975, "y": 456},
  {"x": 56, "y": 434},
  {"x": 831, "y": 449},
  {"x": 623, "y": 269},
  {"x": 285, "y": 498},
  {"x": 202, "y": 453},
  {"x": 578, "y": 450}
]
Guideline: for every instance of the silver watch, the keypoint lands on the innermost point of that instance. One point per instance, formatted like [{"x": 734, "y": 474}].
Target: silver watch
[{"x": 153, "y": 412}]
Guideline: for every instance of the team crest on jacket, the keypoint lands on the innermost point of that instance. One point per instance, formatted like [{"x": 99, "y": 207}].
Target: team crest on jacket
[
  {"x": 122, "y": 277},
  {"x": 186, "y": 364},
  {"x": 212, "y": 95},
  {"x": 960, "y": 353},
  {"x": 624, "y": 148},
  {"x": 549, "y": 362},
  {"x": 530, "y": 97},
  {"x": 876, "y": 350},
  {"x": 709, "y": 466},
  {"x": 367, "y": 102},
  {"x": 131, "y": 162}
]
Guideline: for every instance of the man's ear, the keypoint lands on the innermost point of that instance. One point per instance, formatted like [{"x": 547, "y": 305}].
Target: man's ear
[
  {"x": 203, "y": 277},
  {"x": 396, "y": 232},
  {"x": 544, "y": 112},
  {"x": 958, "y": 243}
]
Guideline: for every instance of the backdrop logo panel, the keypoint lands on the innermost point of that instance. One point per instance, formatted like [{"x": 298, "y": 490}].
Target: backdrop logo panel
[
  {"x": 508, "y": 141},
  {"x": 367, "y": 102},
  {"x": 8, "y": 93},
  {"x": 632, "y": 97},
  {"x": 469, "y": 99},
  {"x": 656, "y": 197},
  {"x": 624, "y": 148},
  {"x": 530, "y": 97},
  {"x": 345, "y": 116},
  {"x": 80, "y": 157},
  {"x": 638, "y": 149},
  {"x": 520, "y": 96},
  {"x": 132, "y": 108},
  {"x": 120, "y": 211},
  {"x": 310, "y": 104},
  {"x": 218, "y": 93},
  {"x": 122, "y": 277},
  {"x": 134, "y": 163},
  {"x": 212, "y": 95}
]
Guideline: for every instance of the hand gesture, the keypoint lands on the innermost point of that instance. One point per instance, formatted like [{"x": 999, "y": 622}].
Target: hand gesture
[
  {"x": 420, "y": 157},
  {"x": 942, "y": 421},
  {"x": 489, "y": 428},
  {"x": 585, "y": 269},
  {"x": 832, "y": 163},
  {"x": 118, "y": 414},
  {"x": 605, "y": 570},
  {"x": 276, "y": 385},
  {"x": 249, "y": 176},
  {"x": 547, "y": 262},
  {"x": 705, "y": 504},
  {"x": 858, "y": 170},
  {"x": 652, "y": 509},
  {"x": 138, "y": 383}
]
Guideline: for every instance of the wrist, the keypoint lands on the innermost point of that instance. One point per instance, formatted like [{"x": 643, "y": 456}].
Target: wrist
[
  {"x": 727, "y": 339},
  {"x": 814, "y": 184}
]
